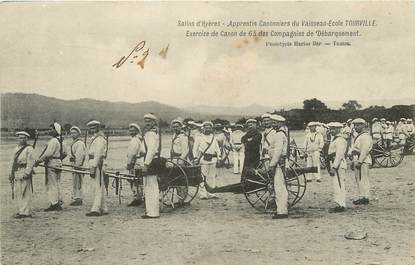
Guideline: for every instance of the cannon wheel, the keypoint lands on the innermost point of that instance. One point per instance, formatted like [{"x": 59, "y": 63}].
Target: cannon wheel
[
  {"x": 173, "y": 187},
  {"x": 387, "y": 157},
  {"x": 191, "y": 190},
  {"x": 262, "y": 196},
  {"x": 409, "y": 145}
]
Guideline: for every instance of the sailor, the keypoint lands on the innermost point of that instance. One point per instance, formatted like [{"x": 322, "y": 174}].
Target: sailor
[
  {"x": 192, "y": 134},
  {"x": 238, "y": 149},
  {"x": 347, "y": 129},
  {"x": 277, "y": 154},
  {"x": 179, "y": 150},
  {"x": 252, "y": 146},
  {"x": 52, "y": 157},
  {"x": 152, "y": 144},
  {"x": 313, "y": 144},
  {"x": 206, "y": 152},
  {"x": 410, "y": 127},
  {"x": 135, "y": 154},
  {"x": 268, "y": 135},
  {"x": 322, "y": 129},
  {"x": 21, "y": 174},
  {"x": 376, "y": 129},
  {"x": 388, "y": 133},
  {"x": 76, "y": 158},
  {"x": 338, "y": 165},
  {"x": 96, "y": 155},
  {"x": 361, "y": 161},
  {"x": 402, "y": 132}
]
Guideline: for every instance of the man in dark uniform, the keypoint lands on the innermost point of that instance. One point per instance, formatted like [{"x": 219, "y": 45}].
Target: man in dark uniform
[{"x": 252, "y": 142}]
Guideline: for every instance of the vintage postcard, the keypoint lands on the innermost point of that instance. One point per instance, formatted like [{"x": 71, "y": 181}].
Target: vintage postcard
[{"x": 258, "y": 132}]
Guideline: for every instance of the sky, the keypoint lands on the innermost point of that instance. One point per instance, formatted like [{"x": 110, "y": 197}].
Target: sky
[{"x": 67, "y": 50}]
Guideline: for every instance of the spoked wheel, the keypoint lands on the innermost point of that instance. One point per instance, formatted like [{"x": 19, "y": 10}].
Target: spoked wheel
[
  {"x": 173, "y": 185},
  {"x": 296, "y": 183},
  {"x": 409, "y": 145},
  {"x": 258, "y": 187},
  {"x": 193, "y": 187},
  {"x": 387, "y": 156}
]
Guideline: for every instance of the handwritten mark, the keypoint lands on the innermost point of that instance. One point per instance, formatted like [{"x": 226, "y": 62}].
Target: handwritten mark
[
  {"x": 163, "y": 52},
  {"x": 139, "y": 47}
]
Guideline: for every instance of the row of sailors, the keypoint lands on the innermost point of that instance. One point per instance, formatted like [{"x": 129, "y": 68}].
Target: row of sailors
[
  {"x": 383, "y": 129},
  {"x": 205, "y": 150}
]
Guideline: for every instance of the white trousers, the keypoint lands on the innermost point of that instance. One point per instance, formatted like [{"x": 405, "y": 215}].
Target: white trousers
[
  {"x": 152, "y": 194},
  {"x": 281, "y": 193},
  {"x": 339, "y": 187},
  {"x": 208, "y": 171},
  {"x": 24, "y": 195},
  {"x": 313, "y": 160},
  {"x": 238, "y": 160},
  {"x": 100, "y": 202},
  {"x": 362, "y": 180},
  {"x": 53, "y": 186},
  {"x": 77, "y": 186}
]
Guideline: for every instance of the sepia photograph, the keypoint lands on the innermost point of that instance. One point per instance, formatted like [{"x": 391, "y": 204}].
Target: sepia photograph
[{"x": 212, "y": 133}]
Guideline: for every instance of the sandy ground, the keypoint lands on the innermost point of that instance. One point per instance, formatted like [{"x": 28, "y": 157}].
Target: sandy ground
[{"x": 224, "y": 231}]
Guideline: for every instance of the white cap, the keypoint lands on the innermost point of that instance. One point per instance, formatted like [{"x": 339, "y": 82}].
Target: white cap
[
  {"x": 409, "y": 119},
  {"x": 388, "y": 122},
  {"x": 383, "y": 119},
  {"x": 277, "y": 117},
  {"x": 23, "y": 133},
  {"x": 238, "y": 125},
  {"x": 374, "y": 119},
  {"x": 135, "y": 125},
  {"x": 150, "y": 116},
  {"x": 312, "y": 123},
  {"x": 251, "y": 120},
  {"x": 75, "y": 128},
  {"x": 93, "y": 123},
  {"x": 207, "y": 123},
  {"x": 177, "y": 121},
  {"x": 349, "y": 120},
  {"x": 57, "y": 127},
  {"x": 403, "y": 119},
  {"x": 359, "y": 120},
  {"x": 265, "y": 115},
  {"x": 335, "y": 124}
]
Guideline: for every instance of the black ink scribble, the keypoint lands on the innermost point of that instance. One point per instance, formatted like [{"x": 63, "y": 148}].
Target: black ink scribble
[{"x": 139, "y": 47}]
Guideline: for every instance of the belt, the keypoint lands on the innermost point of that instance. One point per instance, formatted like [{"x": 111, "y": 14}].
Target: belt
[
  {"x": 20, "y": 166},
  {"x": 55, "y": 157},
  {"x": 237, "y": 143},
  {"x": 173, "y": 154},
  {"x": 91, "y": 157}
]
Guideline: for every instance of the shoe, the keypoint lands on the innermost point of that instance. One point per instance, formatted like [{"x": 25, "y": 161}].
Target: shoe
[
  {"x": 77, "y": 202},
  {"x": 203, "y": 197},
  {"x": 361, "y": 201},
  {"x": 309, "y": 180},
  {"x": 94, "y": 214},
  {"x": 21, "y": 216},
  {"x": 213, "y": 196},
  {"x": 318, "y": 180},
  {"x": 280, "y": 216},
  {"x": 337, "y": 209},
  {"x": 135, "y": 202},
  {"x": 60, "y": 202},
  {"x": 149, "y": 217},
  {"x": 54, "y": 207},
  {"x": 104, "y": 213}
]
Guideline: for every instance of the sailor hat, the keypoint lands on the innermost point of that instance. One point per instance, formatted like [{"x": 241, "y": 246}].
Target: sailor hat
[
  {"x": 177, "y": 121},
  {"x": 238, "y": 125},
  {"x": 349, "y": 120},
  {"x": 251, "y": 120},
  {"x": 150, "y": 116},
  {"x": 358, "y": 120},
  {"x": 265, "y": 115},
  {"x": 403, "y": 119},
  {"x": 75, "y": 128},
  {"x": 409, "y": 119},
  {"x": 312, "y": 123},
  {"x": 383, "y": 119},
  {"x": 388, "y": 122},
  {"x": 205, "y": 123},
  {"x": 23, "y": 133},
  {"x": 335, "y": 125},
  {"x": 374, "y": 119},
  {"x": 93, "y": 123},
  {"x": 277, "y": 117},
  {"x": 135, "y": 125}
]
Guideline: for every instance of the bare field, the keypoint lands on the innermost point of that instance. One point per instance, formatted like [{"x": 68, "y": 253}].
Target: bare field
[{"x": 224, "y": 231}]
